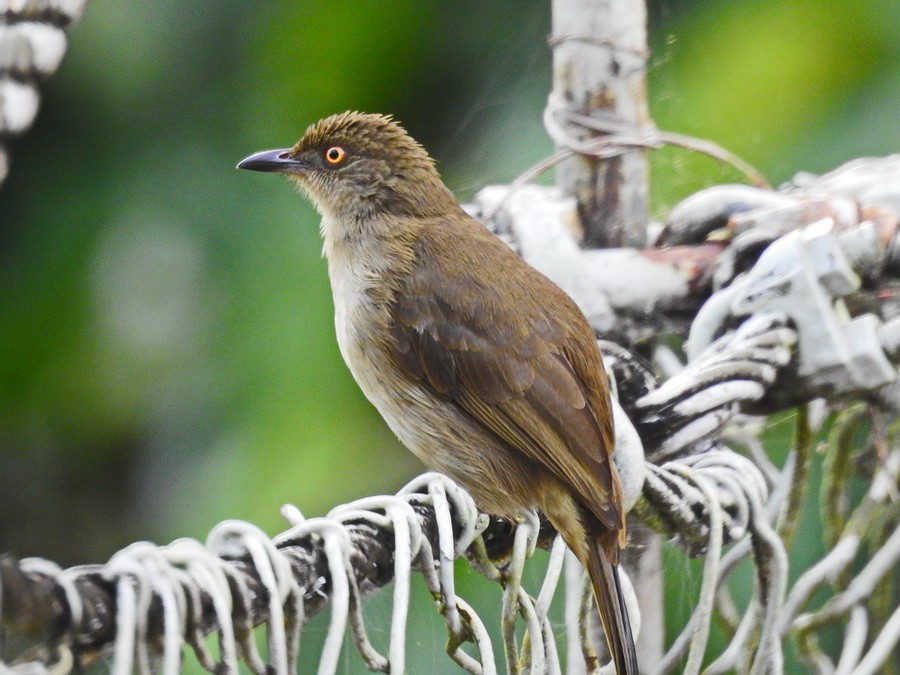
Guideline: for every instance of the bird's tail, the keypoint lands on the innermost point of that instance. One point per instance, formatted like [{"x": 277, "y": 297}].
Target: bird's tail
[{"x": 608, "y": 595}]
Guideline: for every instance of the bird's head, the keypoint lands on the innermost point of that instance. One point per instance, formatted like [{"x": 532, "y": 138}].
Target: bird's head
[{"x": 358, "y": 166}]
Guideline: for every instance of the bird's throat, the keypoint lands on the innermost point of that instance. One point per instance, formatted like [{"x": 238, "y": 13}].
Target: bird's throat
[{"x": 365, "y": 263}]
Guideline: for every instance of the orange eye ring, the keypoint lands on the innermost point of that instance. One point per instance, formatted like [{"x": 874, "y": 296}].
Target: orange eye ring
[{"x": 335, "y": 155}]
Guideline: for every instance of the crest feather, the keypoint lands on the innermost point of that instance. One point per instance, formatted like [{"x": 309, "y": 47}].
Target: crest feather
[{"x": 378, "y": 135}]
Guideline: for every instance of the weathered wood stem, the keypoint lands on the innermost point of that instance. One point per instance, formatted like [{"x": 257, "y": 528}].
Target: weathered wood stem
[{"x": 599, "y": 69}]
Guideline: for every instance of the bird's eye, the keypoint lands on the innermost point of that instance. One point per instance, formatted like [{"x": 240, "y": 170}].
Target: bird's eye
[{"x": 335, "y": 155}]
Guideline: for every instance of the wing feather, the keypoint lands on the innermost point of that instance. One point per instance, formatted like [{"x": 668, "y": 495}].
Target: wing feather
[{"x": 512, "y": 365}]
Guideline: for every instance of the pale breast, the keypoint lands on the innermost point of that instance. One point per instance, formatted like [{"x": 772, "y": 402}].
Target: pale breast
[{"x": 355, "y": 312}]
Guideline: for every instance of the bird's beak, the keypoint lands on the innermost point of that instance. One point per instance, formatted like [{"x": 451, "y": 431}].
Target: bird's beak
[{"x": 273, "y": 161}]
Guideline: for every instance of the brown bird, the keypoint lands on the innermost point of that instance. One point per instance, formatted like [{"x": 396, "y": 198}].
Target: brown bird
[{"x": 480, "y": 365}]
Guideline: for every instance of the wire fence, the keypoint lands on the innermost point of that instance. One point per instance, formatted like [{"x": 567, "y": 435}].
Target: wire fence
[{"x": 142, "y": 606}]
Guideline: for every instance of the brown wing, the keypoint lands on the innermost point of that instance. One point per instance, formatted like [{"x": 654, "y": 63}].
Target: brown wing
[{"x": 498, "y": 339}]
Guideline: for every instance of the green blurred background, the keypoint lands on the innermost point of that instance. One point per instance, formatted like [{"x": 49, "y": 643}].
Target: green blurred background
[{"x": 167, "y": 357}]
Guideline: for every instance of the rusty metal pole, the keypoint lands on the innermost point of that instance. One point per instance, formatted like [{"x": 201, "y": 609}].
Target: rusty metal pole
[{"x": 599, "y": 69}]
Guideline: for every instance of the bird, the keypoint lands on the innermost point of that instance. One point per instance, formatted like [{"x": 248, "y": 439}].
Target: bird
[{"x": 481, "y": 365}]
